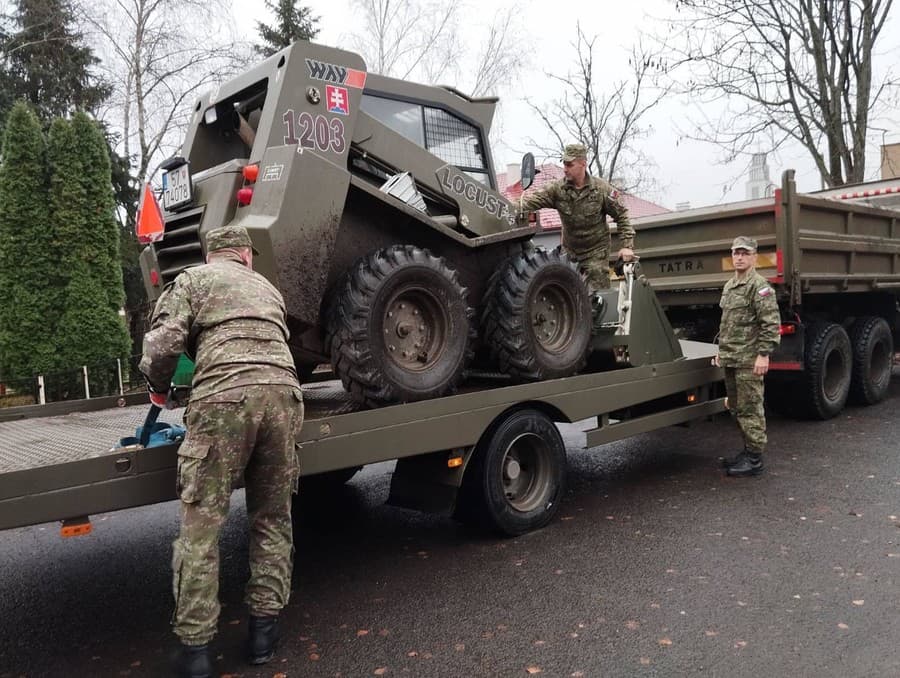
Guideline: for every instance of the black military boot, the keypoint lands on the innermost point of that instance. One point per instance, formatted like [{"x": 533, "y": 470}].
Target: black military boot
[
  {"x": 263, "y": 639},
  {"x": 193, "y": 661},
  {"x": 736, "y": 459},
  {"x": 750, "y": 465}
]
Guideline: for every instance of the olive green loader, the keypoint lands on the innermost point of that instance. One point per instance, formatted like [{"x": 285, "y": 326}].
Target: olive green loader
[{"x": 375, "y": 209}]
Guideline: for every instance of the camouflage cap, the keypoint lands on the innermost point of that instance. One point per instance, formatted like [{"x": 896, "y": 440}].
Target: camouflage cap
[
  {"x": 228, "y": 236},
  {"x": 573, "y": 152},
  {"x": 742, "y": 242}
]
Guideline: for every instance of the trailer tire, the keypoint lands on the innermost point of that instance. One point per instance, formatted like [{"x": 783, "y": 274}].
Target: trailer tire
[
  {"x": 873, "y": 357},
  {"x": 401, "y": 328},
  {"x": 537, "y": 316},
  {"x": 828, "y": 366},
  {"x": 517, "y": 475}
]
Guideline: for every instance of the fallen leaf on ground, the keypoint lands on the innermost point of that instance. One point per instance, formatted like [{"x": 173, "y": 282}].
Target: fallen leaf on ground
[
  {"x": 855, "y": 602},
  {"x": 314, "y": 657},
  {"x": 531, "y": 670},
  {"x": 740, "y": 643},
  {"x": 665, "y": 642},
  {"x": 362, "y": 632},
  {"x": 632, "y": 624},
  {"x": 381, "y": 671},
  {"x": 459, "y": 647},
  {"x": 712, "y": 634},
  {"x": 843, "y": 626},
  {"x": 645, "y": 661}
]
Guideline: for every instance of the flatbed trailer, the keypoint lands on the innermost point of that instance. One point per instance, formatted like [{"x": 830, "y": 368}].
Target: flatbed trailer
[{"x": 490, "y": 453}]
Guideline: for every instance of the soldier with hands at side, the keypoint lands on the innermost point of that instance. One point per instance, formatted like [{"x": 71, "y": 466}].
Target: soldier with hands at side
[
  {"x": 244, "y": 413},
  {"x": 748, "y": 334},
  {"x": 583, "y": 203}
]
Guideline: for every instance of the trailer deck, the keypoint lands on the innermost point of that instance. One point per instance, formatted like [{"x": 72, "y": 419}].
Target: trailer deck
[{"x": 62, "y": 467}]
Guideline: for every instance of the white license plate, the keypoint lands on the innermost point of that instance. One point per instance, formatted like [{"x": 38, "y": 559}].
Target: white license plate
[{"x": 176, "y": 187}]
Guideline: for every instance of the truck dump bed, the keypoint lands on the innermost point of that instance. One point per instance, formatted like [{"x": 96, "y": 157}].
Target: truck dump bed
[{"x": 807, "y": 244}]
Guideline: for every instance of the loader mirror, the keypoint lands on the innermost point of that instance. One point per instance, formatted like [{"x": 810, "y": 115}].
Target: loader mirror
[{"x": 527, "y": 170}]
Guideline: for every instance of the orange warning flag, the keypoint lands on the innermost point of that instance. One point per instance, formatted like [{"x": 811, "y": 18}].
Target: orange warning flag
[{"x": 150, "y": 225}]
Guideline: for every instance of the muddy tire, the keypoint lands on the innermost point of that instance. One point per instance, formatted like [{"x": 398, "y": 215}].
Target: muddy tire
[
  {"x": 537, "y": 317},
  {"x": 826, "y": 382},
  {"x": 873, "y": 357},
  {"x": 400, "y": 329},
  {"x": 517, "y": 475}
]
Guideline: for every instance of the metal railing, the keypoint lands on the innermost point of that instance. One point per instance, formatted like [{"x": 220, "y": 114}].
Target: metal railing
[{"x": 106, "y": 378}]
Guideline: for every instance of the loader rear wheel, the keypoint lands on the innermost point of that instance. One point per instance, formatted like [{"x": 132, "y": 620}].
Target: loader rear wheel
[
  {"x": 873, "y": 358},
  {"x": 537, "y": 317},
  {"x": 401, "y": 328},
  {"x": 517, "y": 474},
  {"x": 827, "y": 374}
]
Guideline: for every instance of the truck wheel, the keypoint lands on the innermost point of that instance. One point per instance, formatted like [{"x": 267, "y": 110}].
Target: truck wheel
[
  {"x": 517, "y": 474},
  {"x": 873, "y": 359},
  {"x": 401, "y": 330},
  {"x": 537, "y": 317},
  {"x": 827, "y": 375}
]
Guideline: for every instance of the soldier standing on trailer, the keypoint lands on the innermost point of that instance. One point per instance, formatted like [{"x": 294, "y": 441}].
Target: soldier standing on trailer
[
  {"x": 583, "y": 203},
  {"x": 748, "y": 334},
  {"x": 243, "y": 417}
]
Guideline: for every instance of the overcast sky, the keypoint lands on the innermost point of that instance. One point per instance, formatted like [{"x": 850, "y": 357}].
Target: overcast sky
[{"x": 685, "y": 170}]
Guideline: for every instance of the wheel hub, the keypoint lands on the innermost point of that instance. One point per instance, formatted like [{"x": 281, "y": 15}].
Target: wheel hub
[
  {"x": 414, "y": 329},
  {"x": 552, "y": 313}
]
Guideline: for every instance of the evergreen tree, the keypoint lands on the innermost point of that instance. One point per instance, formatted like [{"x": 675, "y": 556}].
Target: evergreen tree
[
  {"x": 90, "y": 330},
  {"x": 28, "y": 268},
  {"x": 292, "y": 22},
  {"x": 45, "y": 62}
]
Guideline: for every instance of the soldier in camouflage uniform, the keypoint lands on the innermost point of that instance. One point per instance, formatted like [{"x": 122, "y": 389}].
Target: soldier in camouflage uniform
[
  {"x": 583, "y": 203},
  {"x": 747, "y": 336},
  {"x": 242, "y": 419}
]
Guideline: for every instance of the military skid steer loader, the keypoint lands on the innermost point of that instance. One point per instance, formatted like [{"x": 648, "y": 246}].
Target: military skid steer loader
[{"x": 375, "y": 209}]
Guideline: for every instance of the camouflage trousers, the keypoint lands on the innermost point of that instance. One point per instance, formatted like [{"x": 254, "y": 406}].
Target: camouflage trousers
[
  {"x": 595, "y": 267},
  {"x": 247, "y": 432},
  {"x": 745, "y": 402}
]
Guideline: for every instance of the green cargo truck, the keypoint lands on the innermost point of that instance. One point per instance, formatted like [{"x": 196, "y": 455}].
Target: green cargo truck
[{"x": 835, "y": 265}]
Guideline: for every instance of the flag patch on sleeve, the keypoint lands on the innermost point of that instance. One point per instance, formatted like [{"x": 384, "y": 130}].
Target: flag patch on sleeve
[{"x": 766, "y": 292}]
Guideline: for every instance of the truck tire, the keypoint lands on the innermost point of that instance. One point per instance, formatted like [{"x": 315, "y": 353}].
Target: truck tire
[
  {"x": 826, "y": 379},
  {"x": 401, "y": 328},
  {"x": 873, "y": 359},
  {"x": 537, "y": 317},
  {"x": 517, "y": 474}
]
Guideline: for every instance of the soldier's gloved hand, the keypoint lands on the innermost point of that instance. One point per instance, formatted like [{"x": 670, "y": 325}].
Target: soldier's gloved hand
[{"x": 162, "y": 400}]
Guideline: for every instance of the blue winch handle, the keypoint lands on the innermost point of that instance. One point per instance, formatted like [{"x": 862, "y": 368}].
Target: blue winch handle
[{"x": 148, "y": 424}]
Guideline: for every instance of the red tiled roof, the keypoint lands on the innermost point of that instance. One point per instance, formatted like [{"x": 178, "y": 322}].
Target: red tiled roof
[{"x": 637, "y": 207}]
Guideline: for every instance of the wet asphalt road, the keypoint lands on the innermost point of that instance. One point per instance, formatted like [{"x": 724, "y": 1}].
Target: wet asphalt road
[{"x": 655, "y": 566}]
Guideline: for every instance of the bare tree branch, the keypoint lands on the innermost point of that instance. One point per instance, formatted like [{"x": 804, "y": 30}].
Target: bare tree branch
[
  {"x": 608, "y": 117},
  {"x": 798, "y": 70}
]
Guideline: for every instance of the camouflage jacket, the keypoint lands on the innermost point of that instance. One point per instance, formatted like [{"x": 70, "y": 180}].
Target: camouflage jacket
[
  {"x": 583, "y": 213},
  {"x": 750, "y": 320},
  {"x": 230, "y": 319}
]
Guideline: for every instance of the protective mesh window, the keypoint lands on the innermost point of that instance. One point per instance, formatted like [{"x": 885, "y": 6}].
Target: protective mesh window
[{"x": 452, "y": 140}]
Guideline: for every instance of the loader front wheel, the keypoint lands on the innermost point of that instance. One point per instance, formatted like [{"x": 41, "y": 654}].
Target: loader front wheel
[
  {"x": 537, "y": 317},
  {"x": 401, "y": 328}
]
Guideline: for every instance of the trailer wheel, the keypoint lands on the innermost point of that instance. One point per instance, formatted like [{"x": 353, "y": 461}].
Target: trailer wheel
[
  {"x": 537, "y": 316},
  {"x": 401, "y": 328},
  {"x": 827, "y": 375},
  {"x": 517, "y": 474},
  {"x": 873, "y": 358}
]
